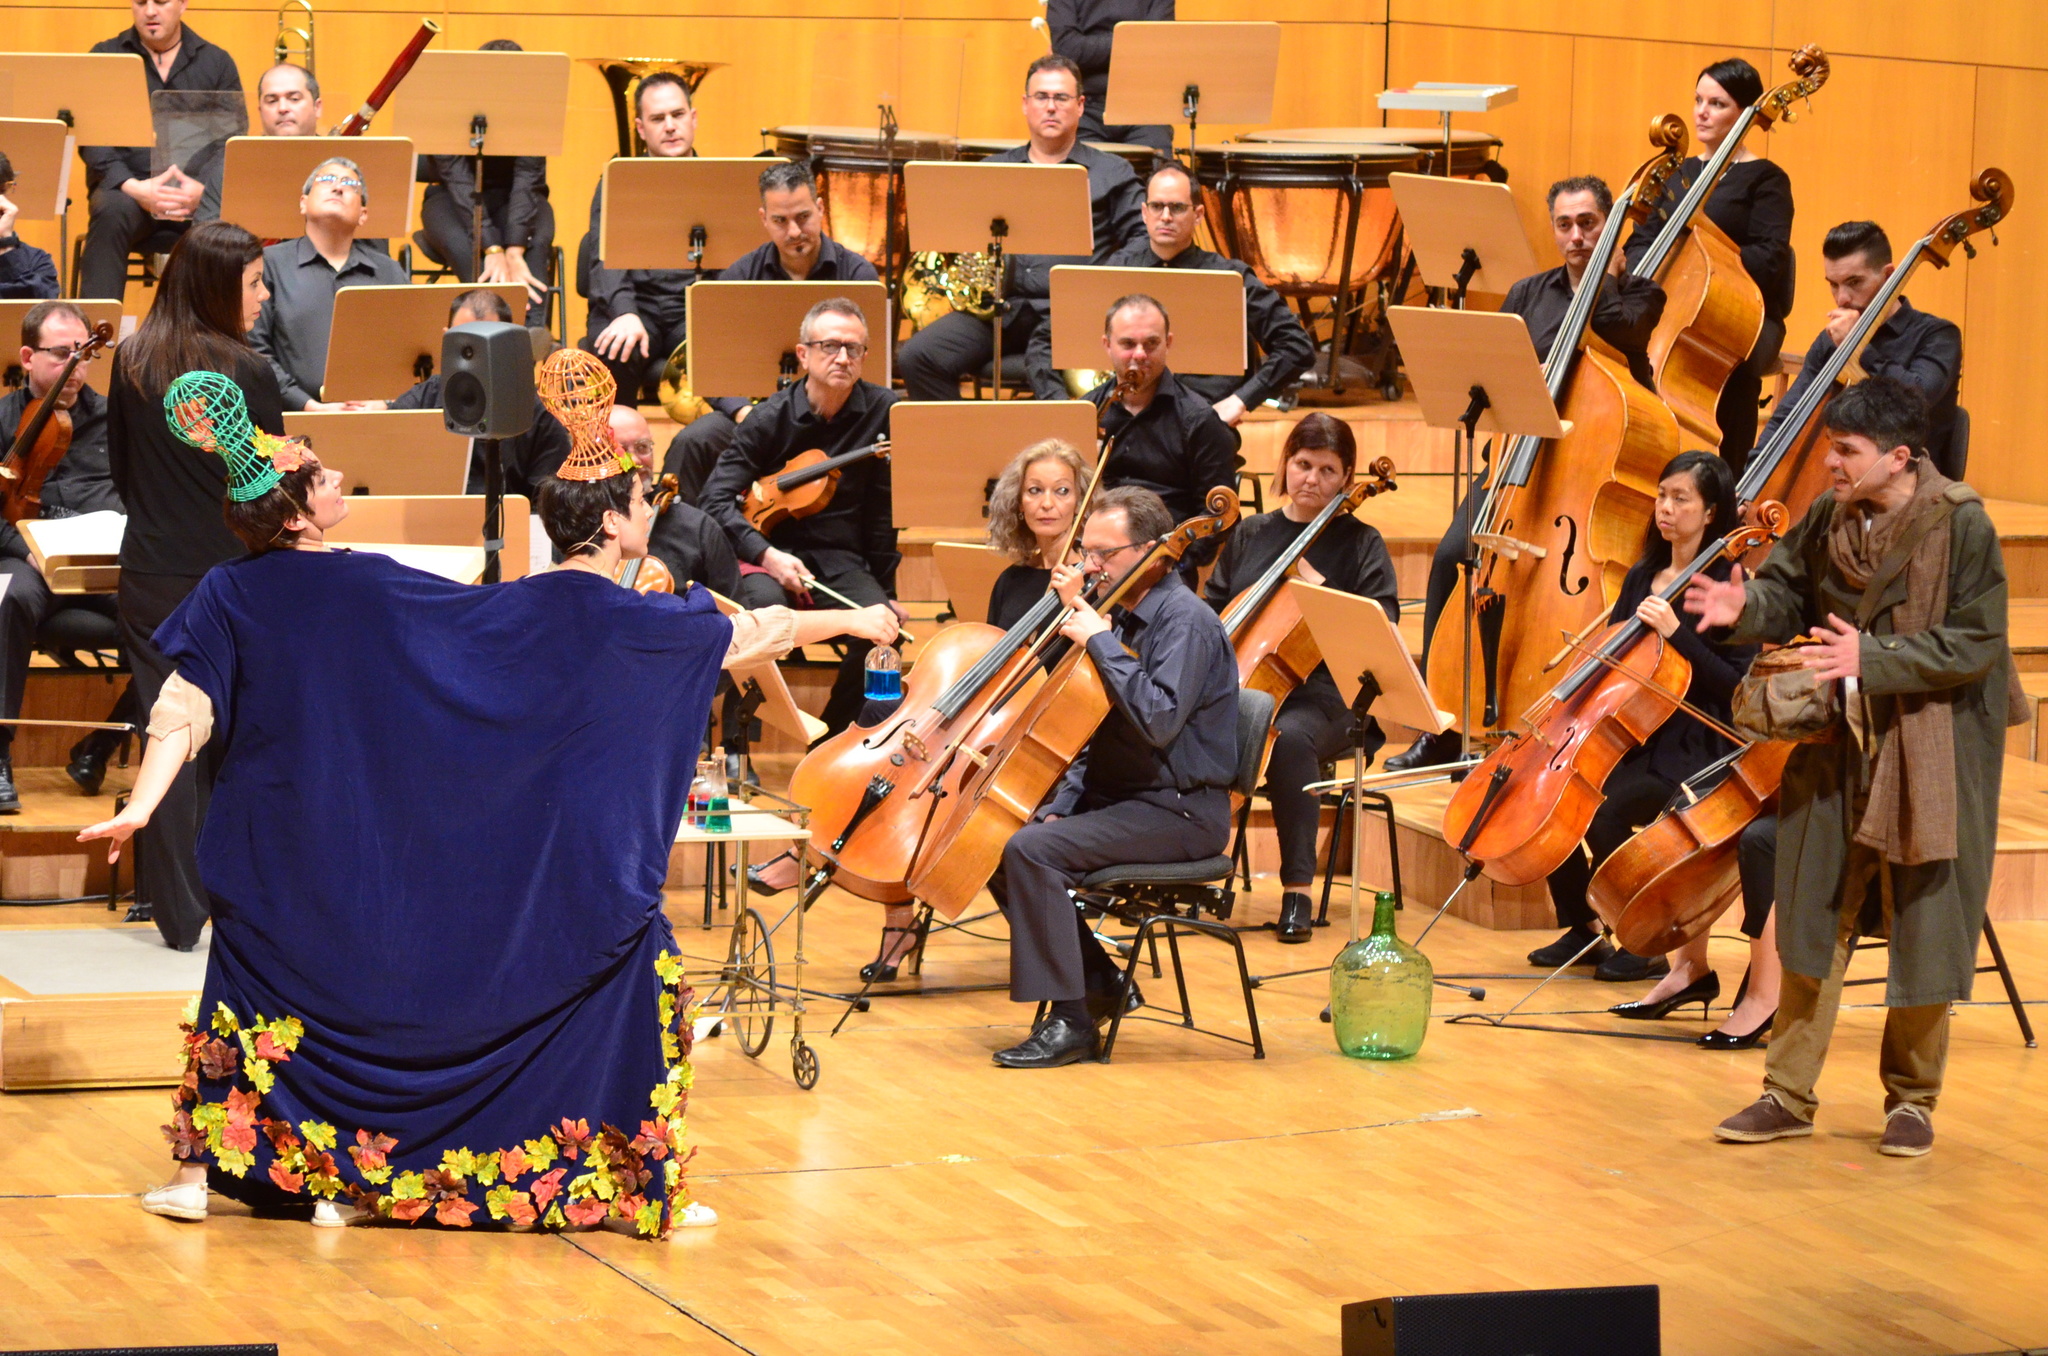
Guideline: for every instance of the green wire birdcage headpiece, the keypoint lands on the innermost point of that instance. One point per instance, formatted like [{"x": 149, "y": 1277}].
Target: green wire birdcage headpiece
[{"x": 208, "y": 411}]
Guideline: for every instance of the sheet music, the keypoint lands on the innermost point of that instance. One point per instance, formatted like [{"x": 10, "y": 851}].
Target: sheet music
[{"x": 86, "y": 534}]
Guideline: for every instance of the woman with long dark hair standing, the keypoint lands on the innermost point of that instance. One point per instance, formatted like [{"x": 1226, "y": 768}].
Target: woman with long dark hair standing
[{"x": 210, "y": 294}]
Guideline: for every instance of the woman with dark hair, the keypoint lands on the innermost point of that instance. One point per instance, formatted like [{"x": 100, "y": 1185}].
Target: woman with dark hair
[
  {"x": 1695, "y": 503},
  {"x": 1753, "y": 205},
  {"x": 1030, "y": 514},
  {"x": 209, "y": 296},
  {"x": 1313, "y": 725}
]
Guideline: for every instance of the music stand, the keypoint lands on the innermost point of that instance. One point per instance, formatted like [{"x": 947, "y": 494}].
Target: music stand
[
  {"x": 1205, "y": 307},
  {"x": 103, "y": 97},
  {"x": 384, "y": 340},
  {"x": 742, "y": 335},
  {"x": 680, "y": 211},
  {"x": 262, "y": 178},
  {"x": 968, "y": 571},
  {"x": 1464, "y": 233},
  {"x": 40, "y": 151},
  {"x": 1180, "y": 72},
  {"x": 386, "y": 452},
  {"x": 946, "y": 454},
  {"x": 1445, "y": 97},
  {"x": 968, "y": 208},
  {"x": 13, "y": 309},
  {"x": 434, "y": 520},
  {"x": 453, "y": 103}
]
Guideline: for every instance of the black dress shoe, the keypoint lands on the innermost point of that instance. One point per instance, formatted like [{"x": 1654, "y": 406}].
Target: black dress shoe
[
  {"x": 1426, "y": 751},
  {"x": 1561, "y": 951},
  {"x": 1702, "y": 991},
  {"x": 1102, "y": 1006},
  {"x": 1730, "y": 1040},
  {"x": 10, "y": 799},
  {"x": 1625, "y": 966},
  {"x": 1296, "y": 923},
  {"x": 1057, "y": 1041},
  {"x": 88, "y": 765}
]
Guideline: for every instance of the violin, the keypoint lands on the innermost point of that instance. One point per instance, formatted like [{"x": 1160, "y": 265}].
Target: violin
[
  {"x": 1713, "y": 309},
  {"x": 1555, "y": 518},
  {"x": 803, "y": 487},
  {"x": 1012, "y": 772},
  {"x": 1526, "y": 807},
  {"x": 44, "y": 436},
  {"x": 647, "y": 574}
]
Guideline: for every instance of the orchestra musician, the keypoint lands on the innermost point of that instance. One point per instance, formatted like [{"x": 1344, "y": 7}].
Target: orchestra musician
[
  {"x": 1313, "y": 725},
  {"x": 1625, "y": 315},
  {"x": 1922, "y": 350},
  {"x": 1030, "y": 515},
  {"x": 850, "y": 545},
  {"x": 1695, "y": 503},
  {"x": 303, "y": 275},
  {"x": 288, "y": 101},
  {"x": 518, "y": 219},
  {"x": 797, "y": 250},
  {"x": 1084, "y": 31},
  {"x": 683, "y": 537},
  {"x": 131, "y": 208},
  {"x": 957, "y": 345},
  {"x": 1753, "y": 205},
  {"x": 1152, "y": 785},
  {"x": 637, "y": 315},
  {"x": 1172, "y": 215},
  {"x": 26, "y": 273},
  {"x": 1890, "y": 827}
]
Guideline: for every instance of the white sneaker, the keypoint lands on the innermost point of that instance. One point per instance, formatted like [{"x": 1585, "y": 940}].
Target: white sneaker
[
  {"x": 696, "y": 1215},
  {"x": 334, "y": 1215},
  {"x": 179, "y": 1200}
]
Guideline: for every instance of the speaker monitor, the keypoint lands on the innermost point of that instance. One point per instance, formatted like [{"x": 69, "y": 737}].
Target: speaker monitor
[
  {"x": 487, "y": 379},
  {"x": 1617, "y": 1320}
]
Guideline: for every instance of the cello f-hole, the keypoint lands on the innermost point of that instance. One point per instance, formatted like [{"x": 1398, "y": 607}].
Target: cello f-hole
[{"x": 1564, "y": 564}]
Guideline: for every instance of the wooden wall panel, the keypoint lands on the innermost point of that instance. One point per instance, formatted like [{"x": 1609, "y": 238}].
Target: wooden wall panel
[
  {"x": 2005, "y": 345},
  {"x": 2003, "y": 33},
  {"x": 1730, "y": 23}
]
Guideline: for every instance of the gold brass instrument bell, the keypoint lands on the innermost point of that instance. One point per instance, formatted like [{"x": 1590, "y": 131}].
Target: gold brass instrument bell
[
  {"x": 622, "y": 73},
  {"x": 289, "y": 29}
]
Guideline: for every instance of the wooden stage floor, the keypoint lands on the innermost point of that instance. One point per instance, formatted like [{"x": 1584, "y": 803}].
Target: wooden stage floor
[{"x": 1182, "y": 1199}]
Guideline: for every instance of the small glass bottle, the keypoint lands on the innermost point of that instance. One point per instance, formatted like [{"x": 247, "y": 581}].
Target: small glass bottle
[
  {"x": 717, "y": 808},
  {"x": 884, "y": 681},
  {"x": 1380, "y": 990},
  {"x": 700, "y": 793}
]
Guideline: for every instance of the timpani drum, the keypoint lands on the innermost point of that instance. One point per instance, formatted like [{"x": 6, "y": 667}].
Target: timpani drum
[
  {"x": 1311, "y": 219},
  {"x": 1471, "y": 152},
  {"x": 854, "y": 172}
]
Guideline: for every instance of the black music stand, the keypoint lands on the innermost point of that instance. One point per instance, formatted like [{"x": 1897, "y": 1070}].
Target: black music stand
[{"x": 1464, "y": 233}]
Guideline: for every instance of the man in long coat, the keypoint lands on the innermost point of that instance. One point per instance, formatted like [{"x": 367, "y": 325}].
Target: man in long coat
[{"x": 1887, "y": 830}]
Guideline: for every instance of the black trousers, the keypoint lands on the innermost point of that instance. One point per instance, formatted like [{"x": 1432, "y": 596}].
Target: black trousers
[
  {"x": 1052, "y": 956},
  {"x": 638, "y": 378},
  {"x": 25, "y": 606},
  {"x": 1307, "y": 734},
  {"x": 1737, "y": 411},
  {"x": 167, "y": 852},
  {"x": 117, "y": 224},
  {"x": 1635, "y": 796},
  {"x": 1156, "y": 135},
  {"x": 759, "y": 590},
  {"x": 448, "y": 227},
  {"x": 956, "y": 346},
  {"x": 695, "y": 450},
  {"x": 1757, "y": 856},
  {"x": 1443, "y": 571}
]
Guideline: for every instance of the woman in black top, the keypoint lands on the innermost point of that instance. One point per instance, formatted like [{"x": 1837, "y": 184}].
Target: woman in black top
[
  {"x": 1753, "y": 205},
  {"x": 210, "y": 294},
  {"x": 1695, "y": 503},
  {"x": 1030, "y": 511},
  {"x": 1313, "y": 724}
]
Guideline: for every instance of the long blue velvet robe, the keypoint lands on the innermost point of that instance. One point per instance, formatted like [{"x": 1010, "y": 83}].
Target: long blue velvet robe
[{"x": 436, "y": 842}]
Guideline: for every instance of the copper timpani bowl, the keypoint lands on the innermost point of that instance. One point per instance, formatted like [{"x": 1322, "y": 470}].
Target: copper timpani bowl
[
  {"x": 853, "y": 169},
  {"x": 1470, "y": 151},
  {"x": 1285, "y": 209}
]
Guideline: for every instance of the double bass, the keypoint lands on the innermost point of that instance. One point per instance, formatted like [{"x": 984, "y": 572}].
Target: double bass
[
  {"x": 1556, "y": 518},
  {"x": 1713, "y": 310},
  {"x": 44, "y": 436}
]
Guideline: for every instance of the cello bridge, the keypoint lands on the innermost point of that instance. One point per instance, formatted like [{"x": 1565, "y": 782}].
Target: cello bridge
[{"x": 1512, "y": 548}]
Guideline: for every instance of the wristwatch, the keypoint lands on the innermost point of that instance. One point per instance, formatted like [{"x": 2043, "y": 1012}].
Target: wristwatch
[{"x": 494, "y": 249}]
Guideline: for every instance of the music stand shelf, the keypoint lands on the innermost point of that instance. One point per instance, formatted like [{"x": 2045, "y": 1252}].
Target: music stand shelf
[
  {"x": 1189, "y": 72},
  {"x": 263, "y": 176},
  {"x": 1205, "y": 307},
  {"x": 741, "y": 332},
  {"x": 384, "y": 340},
  {"x": 946, "y": 454},
  {"x": 680, "y": 211}
]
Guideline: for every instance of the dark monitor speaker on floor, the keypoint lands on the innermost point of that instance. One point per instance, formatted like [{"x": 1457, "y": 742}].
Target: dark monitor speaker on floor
[{"x": 1614, "y": 1320}]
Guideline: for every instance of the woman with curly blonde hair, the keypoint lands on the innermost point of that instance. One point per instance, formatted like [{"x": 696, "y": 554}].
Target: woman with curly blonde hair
[{"x": 1030, "y": 514}]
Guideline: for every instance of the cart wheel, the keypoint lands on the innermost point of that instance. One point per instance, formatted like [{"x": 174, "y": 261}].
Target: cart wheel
[
  {"x": 750, "y": 983},
  {"x": 803, "y": 1063},
  {"x": 1390, "y": 390}
]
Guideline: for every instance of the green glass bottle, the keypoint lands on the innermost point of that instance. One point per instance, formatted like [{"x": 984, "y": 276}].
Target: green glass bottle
[{"x": 1380, "y": 989}]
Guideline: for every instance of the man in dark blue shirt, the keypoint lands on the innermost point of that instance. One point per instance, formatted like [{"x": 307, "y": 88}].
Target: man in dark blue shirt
[
  {"x": 1152, "y": 785},
  {"x": 25, "y": 271}
]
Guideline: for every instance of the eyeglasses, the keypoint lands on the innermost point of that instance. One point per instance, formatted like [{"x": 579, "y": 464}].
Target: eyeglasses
[
  {"x": 1048, "y": 99},
  {"x": 1102, "y": 555},
  {"x": 638, "y": 447},
  {"x": 1169, "y": 209},
  {"x": 833, "y": 348},
  {"x": 344, "y": 180},
  {"x": 61, "y": 352}
]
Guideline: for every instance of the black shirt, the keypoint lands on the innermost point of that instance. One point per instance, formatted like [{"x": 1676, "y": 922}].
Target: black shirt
[
  {"x": 654, "y": 294},
  {"x": 1625, "y": 314},
  {"x": 173, "y": 490},
  {"x": 1084, "y": 30},
  {"x": 1015, "y": 592},
  {"x": 1172, "y": 725},
  {"x": 1681, "y": 746},
  {"x": 1919, "y": 349},
  {"x": 294, "y": 326},
  {"x": 836, "y": 263},
  {"x": 79, "y": 482},
  {"x": 199, "y": 65},
  {"x": 1350, "y": 555},
  {"x": 528, "y": 457},
  {"x": 695, "y": 549},
  {"x": 857, "y": 530},
  {"x": 1753, "y": 206},
  {"x": 515, "y": 186},
  {"x": 1175, "y": 447}
]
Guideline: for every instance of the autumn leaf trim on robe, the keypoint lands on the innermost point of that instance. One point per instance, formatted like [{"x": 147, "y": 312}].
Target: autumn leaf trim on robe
[{"x": 566, "y": 1176}]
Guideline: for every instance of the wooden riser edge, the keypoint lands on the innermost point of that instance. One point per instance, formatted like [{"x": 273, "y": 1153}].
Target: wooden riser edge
[{"x": 90, "y": 1041}]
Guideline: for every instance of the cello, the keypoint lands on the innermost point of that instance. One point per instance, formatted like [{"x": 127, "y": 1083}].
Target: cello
[
  {"x": 44, "y": 436},
  {"x": 1526, "y": 807},
  {"x": 1713, "y": 310},
  {"x": 1014, "y": 769},
  {"x": 647, "y": 574},
  {"x": 1556, "y": 516}
]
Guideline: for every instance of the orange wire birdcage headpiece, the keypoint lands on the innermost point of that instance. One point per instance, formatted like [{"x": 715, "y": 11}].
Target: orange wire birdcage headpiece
[{"x": 578, "y": 390}]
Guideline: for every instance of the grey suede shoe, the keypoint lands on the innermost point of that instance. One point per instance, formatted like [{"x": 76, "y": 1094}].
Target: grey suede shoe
[{"x": 1760, "y": 1122}]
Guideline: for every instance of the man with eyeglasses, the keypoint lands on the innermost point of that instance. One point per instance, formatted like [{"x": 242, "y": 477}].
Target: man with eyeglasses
[
  {"x": 1172, "y": 212},
  {"x": 1151, "y": 786},
  {"x": 25, "y": 271},
  {"x": 80, "y": 483},
  {"x": 304, "y": 274},
  {"x": 1085, "y": 31},
  {"x": 849, "y": 546},
  {"x": 958, "y": 345}
]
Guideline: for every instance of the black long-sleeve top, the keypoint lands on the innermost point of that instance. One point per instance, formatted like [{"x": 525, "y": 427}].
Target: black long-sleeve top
[
  {"x": 1681, "y": 746},
  {"x": 528, "y": 458},
  {"x": 1268, "y": 324},
  {"x": 1172, "y": 726},
  {"x": 1753, "y": 205},
  {"x": 1625, "y": 314},
  {"x": 1175, "y": 447},
  {"x": 857, "y": 530},
  {"x": 1919, "y": 349},
  {"x": 1085, "y": 31},
  {"x": 27, "y": 273},
  {"x": 836, "y": 263},
  {"x": 1015, "y": 592},
  {"x": 199, "y": 65},
  {"x": 80, "y": 481},
  {"x": 654, "y": 294},
  {"x": 173, "y": 490},
  {"x": 695, "y": 549},
  {"x": 515, "y": 186}
]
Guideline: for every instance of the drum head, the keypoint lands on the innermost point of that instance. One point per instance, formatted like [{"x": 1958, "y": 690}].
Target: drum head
[
  {"x": 856, "y": 143},
  {"x": 1395, "y": 136}
]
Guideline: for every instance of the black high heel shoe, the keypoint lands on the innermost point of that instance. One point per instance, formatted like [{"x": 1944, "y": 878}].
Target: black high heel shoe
[
  {"x": 1700, "y": 991},
  {"x": 755, "y": 881},
  {"x": 1730, "y": 1040},
  {"x": 878, "y": 971}
]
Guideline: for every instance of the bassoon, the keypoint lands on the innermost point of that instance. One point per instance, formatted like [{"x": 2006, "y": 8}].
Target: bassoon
[{"x": 358, "y": 122}]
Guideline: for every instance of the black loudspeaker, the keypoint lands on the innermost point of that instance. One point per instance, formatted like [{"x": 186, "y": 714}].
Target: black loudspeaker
[
  {"x": 1611, "y": 1320},
  {"x": 487, "y": 379}
]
